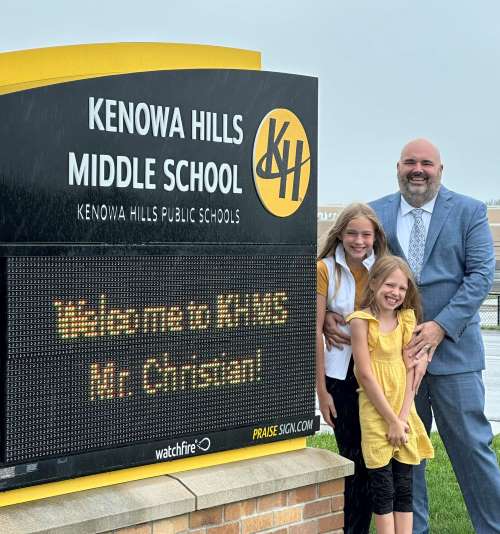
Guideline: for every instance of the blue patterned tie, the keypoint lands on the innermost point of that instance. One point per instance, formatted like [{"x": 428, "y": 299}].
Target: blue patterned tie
[{"x": 417, "y": 243}]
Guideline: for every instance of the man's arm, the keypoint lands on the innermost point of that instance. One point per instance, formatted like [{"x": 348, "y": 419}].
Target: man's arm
[
  {"x": 478, "y": 277},
  {"x": 476, "y": 283}
]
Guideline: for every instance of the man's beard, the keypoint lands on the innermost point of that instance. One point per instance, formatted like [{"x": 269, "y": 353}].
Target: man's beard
[{"x": 417, "y": 198}]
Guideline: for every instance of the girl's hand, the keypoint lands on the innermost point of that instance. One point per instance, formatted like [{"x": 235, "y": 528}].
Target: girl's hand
[
  {"x": 327, "y": 408},
  {"x": 397, "y": 433}
]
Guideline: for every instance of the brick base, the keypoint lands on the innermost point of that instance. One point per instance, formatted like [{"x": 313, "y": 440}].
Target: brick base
[{"x": 313, "y": 509}]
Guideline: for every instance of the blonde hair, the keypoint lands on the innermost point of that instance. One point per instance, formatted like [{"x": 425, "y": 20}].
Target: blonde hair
[
  {"x": 380, "y": 271},
  {"x": 334, "y": 236}
]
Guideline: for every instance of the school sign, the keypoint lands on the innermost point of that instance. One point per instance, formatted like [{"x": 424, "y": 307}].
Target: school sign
[{"x": 157, "y": 240}]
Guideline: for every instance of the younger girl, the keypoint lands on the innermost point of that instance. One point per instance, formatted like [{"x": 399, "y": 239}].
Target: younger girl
[
  {"x": 343, "y": 265},
  {"x": 393, "y": 437}
]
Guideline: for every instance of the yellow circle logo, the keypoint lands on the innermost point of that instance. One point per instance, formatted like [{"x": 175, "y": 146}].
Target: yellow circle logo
[{"x": 281, "y": 162}]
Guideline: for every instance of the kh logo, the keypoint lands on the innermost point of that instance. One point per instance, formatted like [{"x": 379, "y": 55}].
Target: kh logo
[{"x": 281, "y": 162}]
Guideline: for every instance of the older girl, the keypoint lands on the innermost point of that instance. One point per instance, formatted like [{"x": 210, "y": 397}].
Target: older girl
[{"x": 352, "y": 245}]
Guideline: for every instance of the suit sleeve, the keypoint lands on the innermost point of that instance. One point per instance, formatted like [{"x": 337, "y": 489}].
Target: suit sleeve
[{"x": 478, "y": 277}]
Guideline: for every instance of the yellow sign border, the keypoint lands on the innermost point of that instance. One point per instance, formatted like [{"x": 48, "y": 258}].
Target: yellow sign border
[
  {"x": 27, "y": 69},
  {"x": 110, "y": 478}
]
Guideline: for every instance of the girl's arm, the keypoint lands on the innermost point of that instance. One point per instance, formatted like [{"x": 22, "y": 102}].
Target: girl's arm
[
  {"x": 409, "y": 395},
  {"x": 411, "y": 386},
  {"x": 326, "y": 404},
  {"x": 396, "y": 433}
]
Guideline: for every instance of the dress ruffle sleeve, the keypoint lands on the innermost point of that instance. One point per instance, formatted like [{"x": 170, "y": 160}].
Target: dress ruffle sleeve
[
  {"x": 408, "y": 322},
  {"x": 373, "y": 327}
]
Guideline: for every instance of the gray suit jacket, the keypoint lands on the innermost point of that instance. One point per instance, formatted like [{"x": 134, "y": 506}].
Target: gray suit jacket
[{"x": 457, "y": 274}]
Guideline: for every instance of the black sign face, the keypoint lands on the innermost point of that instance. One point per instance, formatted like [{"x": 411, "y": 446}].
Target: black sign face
[
  {"x": 161, "y": 157},
  {"x": 107, "y": 352},
  {"x": 157, "y": 269}
]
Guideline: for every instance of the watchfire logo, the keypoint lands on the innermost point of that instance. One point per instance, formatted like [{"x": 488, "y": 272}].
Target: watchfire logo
[
  {"x": 281, "y": 162},
  {"x": 183, "y": 448}
]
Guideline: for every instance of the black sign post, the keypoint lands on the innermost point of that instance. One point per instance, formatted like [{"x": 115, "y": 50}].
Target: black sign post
[{"x": 158, "y": 238}]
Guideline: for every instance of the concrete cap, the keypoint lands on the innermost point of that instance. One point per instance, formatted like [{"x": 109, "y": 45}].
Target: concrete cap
[
  {"x": 261, "y": 476},
  {"x": 100, "y": 509}
]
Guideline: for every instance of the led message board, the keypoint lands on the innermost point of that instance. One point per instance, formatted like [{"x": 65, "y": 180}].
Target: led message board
[{"x": 158, "y": 269}]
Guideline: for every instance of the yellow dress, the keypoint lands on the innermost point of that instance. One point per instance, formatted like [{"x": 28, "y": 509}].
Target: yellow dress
[{"x": 387, "y": 364}]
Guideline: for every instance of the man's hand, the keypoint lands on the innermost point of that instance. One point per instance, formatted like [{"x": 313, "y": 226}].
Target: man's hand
[
  {"x": 334, "y": 336},
  {"x": 425, "y": 340}
]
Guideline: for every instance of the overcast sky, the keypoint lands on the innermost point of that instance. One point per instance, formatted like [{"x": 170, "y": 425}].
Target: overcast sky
[{"x": 389, "y": 71}]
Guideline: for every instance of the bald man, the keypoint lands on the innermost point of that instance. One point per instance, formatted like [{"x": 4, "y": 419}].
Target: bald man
[{"x": 445, "y": 238}]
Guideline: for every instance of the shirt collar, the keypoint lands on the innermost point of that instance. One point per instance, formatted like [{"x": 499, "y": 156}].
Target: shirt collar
[
  {"x": 406, "y": 208},
  {"x": 341, "y": 259}
]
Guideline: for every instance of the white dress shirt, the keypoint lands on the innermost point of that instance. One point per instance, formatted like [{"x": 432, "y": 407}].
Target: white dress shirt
[{"x": 406, "y": 221}]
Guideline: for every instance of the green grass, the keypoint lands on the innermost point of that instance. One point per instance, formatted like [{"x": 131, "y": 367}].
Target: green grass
[{"x": 448, "y": 514}]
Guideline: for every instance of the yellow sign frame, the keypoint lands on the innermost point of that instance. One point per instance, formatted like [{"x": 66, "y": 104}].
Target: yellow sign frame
[{"x": 39, "y": 67}]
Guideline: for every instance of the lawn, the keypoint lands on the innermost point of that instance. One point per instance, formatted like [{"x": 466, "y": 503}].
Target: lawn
[{"x": 448, "y": 512}]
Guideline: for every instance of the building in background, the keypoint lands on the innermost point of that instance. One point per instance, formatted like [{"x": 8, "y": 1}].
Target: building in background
[{"x": 328, "y": 214}]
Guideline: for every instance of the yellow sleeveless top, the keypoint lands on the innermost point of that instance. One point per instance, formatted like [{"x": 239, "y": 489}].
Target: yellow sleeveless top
[{"x": 386, "y": 352}]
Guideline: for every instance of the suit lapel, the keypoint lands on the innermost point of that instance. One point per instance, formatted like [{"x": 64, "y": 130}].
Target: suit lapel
[{"x": 439, "y": 215}]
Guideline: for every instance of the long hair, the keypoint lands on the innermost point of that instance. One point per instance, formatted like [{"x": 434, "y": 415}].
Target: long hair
[
  {"x": 380, "y": 271},
  {"x": 334, "y": 236}
]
